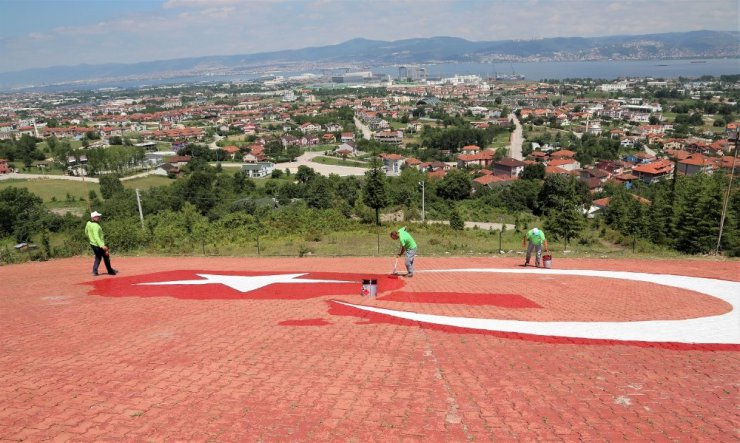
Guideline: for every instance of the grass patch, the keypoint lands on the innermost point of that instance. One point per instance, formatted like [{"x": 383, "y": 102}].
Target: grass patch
[
  {"x": 55, "y": 190},
  {"x": 339, "y": 162},
  {"x": 147, "y": 182},
  {"x": 500, "y": 140}
]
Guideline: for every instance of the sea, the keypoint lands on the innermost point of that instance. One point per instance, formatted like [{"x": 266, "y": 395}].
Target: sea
[{"x": 607, "y": 70}]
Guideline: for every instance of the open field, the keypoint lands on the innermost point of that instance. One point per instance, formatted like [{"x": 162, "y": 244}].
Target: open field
[
  {"x": 58, "y": 190},
  {"x": 339, "y": 162},
  {"x": 150, "y": 181}
]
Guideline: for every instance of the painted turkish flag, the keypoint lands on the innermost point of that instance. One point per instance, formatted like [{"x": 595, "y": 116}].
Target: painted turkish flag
[{"x": 203, "y": 285}]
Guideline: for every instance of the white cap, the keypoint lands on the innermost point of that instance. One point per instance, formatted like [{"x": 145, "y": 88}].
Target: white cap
[
  {"x": 95, "y": 214},
  {"x": 535, "y": 231}
]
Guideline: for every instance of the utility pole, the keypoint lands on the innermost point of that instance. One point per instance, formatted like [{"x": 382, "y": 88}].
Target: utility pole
[
  {"x": 422, "y": 200},
  {"x": 727, "y": 194},
  {"x": 141, "y": 213}
]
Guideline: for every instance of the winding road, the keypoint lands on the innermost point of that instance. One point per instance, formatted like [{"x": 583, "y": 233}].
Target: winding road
[{"x": 517, "y": 139}]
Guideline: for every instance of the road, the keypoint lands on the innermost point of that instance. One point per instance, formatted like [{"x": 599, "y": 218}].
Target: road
[
  {"x": 480, "y": 225},
  {"x": 366, "y": 132},
  {"x": 216, "y": 139},
  {"x": 305, "y": 160},
  {"x": 515, "y": 144},
  {"x": 17, "y": 176}
]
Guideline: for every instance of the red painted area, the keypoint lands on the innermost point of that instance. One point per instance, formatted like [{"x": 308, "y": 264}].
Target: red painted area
[
  {"x": 130, "y": 286},
  {"x": 377, "y": 318},
  {"x": 512, "y": 301},
  {"x": 305, "y": 322}
]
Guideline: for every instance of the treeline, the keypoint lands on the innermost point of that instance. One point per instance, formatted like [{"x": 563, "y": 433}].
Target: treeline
[
  {"x": 22, "y": 149},
  {"x": 452, "y": 139},
  {"x": 208, "y": 206},
  {"x": 343, "y": 116},
  {"x": 683, "y": 214}
]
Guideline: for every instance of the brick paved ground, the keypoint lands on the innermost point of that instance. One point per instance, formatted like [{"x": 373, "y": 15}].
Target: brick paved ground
[{"x": 82, "y": 367}]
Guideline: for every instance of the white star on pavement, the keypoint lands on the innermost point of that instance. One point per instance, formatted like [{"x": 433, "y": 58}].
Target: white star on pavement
[{"x": 245, "y": 283}]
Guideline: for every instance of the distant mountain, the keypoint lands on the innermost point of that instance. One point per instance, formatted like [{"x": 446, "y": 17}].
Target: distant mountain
[{"x": 696, "y": 44}]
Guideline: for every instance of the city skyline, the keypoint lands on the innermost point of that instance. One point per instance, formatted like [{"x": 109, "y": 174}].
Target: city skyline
[{"x": 36, "y": 34}]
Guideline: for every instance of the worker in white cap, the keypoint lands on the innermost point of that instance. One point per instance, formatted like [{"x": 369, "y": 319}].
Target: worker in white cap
[
  {"x": 535, "y": 238},
  {"x": 97, "y": 242}
]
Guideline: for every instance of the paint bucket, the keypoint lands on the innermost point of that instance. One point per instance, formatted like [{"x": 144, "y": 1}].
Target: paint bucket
[
  {"x": 547, "y": 261},
  {"x": 369, "y": 288}
]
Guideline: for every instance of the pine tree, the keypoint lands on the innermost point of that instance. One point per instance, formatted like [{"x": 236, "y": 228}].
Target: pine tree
[{"x": 375, "y": 192}]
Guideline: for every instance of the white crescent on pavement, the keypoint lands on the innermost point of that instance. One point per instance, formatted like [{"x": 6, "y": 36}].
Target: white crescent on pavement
[{"x": 715, "y": 329}]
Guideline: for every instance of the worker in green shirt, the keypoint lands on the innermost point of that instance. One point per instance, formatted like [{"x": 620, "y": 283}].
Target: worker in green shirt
[
  {"x": 536, "y": 239},
  {"x": 97, "y": 242},
  {"x": 408, "y": 246}
]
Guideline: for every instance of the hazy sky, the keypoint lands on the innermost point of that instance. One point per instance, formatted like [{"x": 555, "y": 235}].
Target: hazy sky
[{"x": 40, "y": 33}]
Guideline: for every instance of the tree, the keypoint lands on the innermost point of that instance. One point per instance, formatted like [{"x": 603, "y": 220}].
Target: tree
[
  {"x": 198, "y": 191},
  {"x": 320, "y": 193},
  {"x": 533, "y": 172},
  {"x": 21, "y": 213},
  {"x": 559, "y": 191},
  {"x": 456, "y": 221},
  {"x": 375, "y": 192},
  {"x": 564, "y": 222},
  {"x": 293, "y": 151},
  {"x": 456, "y": 185},
  {"x": 697, "y": 221},
  {"x": 110, "y": 185},
  {"x": 274, "y": 149},
  {"x": 304, "y": 174}
]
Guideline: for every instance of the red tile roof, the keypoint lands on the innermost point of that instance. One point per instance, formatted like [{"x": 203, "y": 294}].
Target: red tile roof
[{"x": 654, "y": 168}]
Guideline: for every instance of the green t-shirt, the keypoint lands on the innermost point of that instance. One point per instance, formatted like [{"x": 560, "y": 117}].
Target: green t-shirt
[
  {"x": 407, "y": 241},
  {"x": 95, "y": 234},
  {"x": 538, "y": 238}
]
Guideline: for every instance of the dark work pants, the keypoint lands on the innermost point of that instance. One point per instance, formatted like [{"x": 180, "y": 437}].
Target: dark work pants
[{"x": 100, "y": 254}]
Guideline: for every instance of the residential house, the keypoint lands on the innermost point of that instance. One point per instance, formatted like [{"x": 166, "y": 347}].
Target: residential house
[
  {"x": 258, "y": 169},
  {"x": 613, "y": 167},
  {"x": 483, "y": 159},
  {"x": 289, "y": 140},
  {"x": 168, "y": 170},
  {"x": 599, "y": 174},
  {"x": 470, "y": 149},
  {"x": 594, "y": 185},
  {"x": 539, "y": 156},
  {"x": 492, "y": 181},
  {"x": 393, "y": 163},
  {"x": 310, "y": 127},
  {"x": 508, "y": 166},
  {"x": 563, "y": 153},
  {"x": 4, "y": 168},
  {"x": 346, "y": 149},
  {"x": 389, "y": 137},
  {"x": 231, "y": 151},
  {"x": 179, "y": 160},
  {"x": 638, "y": 158},
  {"x": 599, "y": 205},
  {"x": 551, "y": 170},
  {"x": 625, "y": 179},
  {"x": 433, "y": 166},
  {"x": 347, "y": 137},
  {"x": 569, "y": 164},
  {"x": 157, "y": 157},
  {"x": 732, "y": 130},
  {"x": 695, "y": 164},
  {"x": 413, "y": 163},
  {"x": 654, "y": 171}
]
